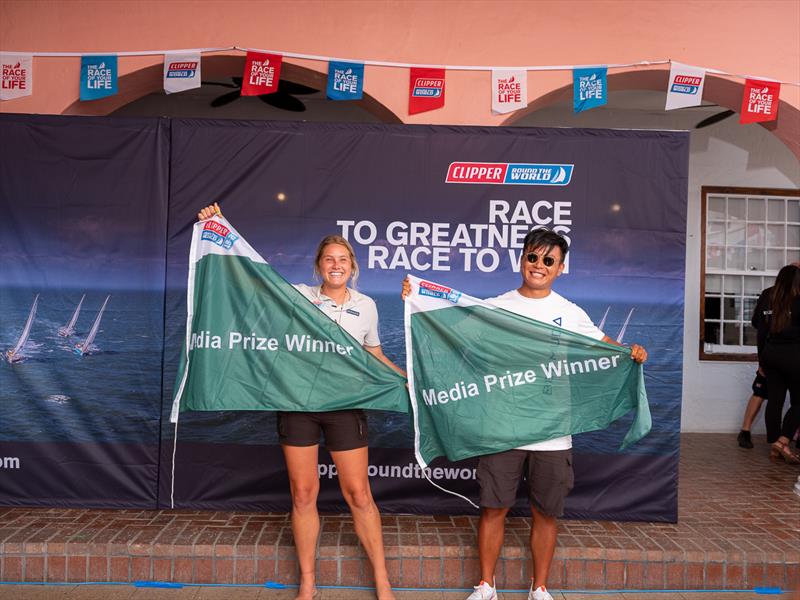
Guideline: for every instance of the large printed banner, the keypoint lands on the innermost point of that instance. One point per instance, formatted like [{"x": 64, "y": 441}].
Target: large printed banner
[{"x": 91, "y": 203}]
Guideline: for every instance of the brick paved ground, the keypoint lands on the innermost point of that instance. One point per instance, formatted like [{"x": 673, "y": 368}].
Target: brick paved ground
[{"x": 739, "y": 528}]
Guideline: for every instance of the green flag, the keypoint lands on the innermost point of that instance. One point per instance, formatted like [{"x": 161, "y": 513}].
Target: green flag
[
  {"x": 485, "y": 380},
  {"x": 253, "y": 342}
]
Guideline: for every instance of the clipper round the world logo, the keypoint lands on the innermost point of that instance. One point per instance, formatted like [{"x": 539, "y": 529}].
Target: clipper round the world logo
[{"x": 510, "y": 173}]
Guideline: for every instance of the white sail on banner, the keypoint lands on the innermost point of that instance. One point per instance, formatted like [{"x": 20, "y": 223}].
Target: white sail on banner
[
  {"x": 27, "y": 329},
  {"x": 95, "y": 328},
  {"x": 69, "y": 328}
]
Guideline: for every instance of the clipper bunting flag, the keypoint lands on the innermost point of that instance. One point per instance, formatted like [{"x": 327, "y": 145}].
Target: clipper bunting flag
[
  {"x": 426, "y": 90},
  {"x": 17, "y": 76},
  {"x": 760, "y": 101},
  {"x": 484, "y": 380},
  {"x": 685, "y": 86},
  {"x": 261, "y": 73},
  {"x": 509, "y": 90},
  {"x": 253, "y": 342},
  {"x": 181, "y": 72},
  {"x": 98, "y": 77},
  {"x": 345, "y": 81},
  {"x": 589, "y": 88}
]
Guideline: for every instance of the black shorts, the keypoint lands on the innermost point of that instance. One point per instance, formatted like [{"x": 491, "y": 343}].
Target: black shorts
[
  {"x": 760, "y": 386},
  {"x": 549, "y": 474},
  {"x": 343, "y": 429}
]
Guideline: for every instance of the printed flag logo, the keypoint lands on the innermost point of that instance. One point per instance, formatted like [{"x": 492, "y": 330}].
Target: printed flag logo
[
  {"x": 261, "y": 73},
  {"x": 760, "y": 101},
  {"x": 589, "y": 88},
  {"x": 98, "y": 77},
  {"x": 16, "y": 76},
  {"x": 510, "y": 173},
  {"x": 509, "y": 90},
  {"x": 345, "y": 81},
  {"x": 685, "y": 87},
  {"x": 434, "y": 290},
  {"x": 181, "y": 72},
  {"x": 426, "y": 90},
  {"x": 218, "y": 234}
]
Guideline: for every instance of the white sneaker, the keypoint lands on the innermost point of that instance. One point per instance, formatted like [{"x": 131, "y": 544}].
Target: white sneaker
[
  {"x": 483, "y": 591},
  {"x": 539, "y": 593}
]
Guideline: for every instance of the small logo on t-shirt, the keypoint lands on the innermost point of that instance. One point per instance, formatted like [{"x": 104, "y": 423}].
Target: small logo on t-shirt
[{"x": 557, "y": 321}]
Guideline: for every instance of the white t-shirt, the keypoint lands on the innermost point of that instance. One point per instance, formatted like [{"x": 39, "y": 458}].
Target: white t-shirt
[
  {"x": 556, "y": 310},
  {"x": 358, "y": 316}
]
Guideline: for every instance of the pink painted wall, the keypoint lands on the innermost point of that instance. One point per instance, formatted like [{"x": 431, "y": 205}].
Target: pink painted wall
[{"x": 758, "y": 38}]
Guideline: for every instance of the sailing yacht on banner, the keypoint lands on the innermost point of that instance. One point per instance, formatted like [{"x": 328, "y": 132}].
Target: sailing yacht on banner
[
  {"x": 13, "y": 354},
  {"x": 85, "y": 348},
  {"x": 69, "y": 328}
]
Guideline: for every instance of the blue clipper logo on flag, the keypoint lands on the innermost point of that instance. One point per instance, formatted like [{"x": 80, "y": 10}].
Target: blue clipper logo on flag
[
  {"x": 345, "y": 81},
  {"x": 98, "y": 77},
  {"x": 589, "y": 88},
  {"x": 428, "y": 87},
  {"x": 219, "y": 234},
  {"x": 434, "y": 290},
  {"x": 510, "y": 173},
  {"x": 181, "y": 70}
]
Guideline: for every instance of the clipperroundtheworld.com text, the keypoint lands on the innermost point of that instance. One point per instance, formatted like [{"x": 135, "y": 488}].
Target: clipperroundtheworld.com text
[{"x": 409, "y": 471}]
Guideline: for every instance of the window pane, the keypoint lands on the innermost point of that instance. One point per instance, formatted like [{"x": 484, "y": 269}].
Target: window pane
[
  {"x": 755, "y": 259},
  {"x": 736, "y": 233},
  {"x": 733, "y": 285},
  {"x": 712, "y": 307},
  {"x": 750, "y": 335},
  {"x": 711, "y": 333},
  {"x": 776, "y": 236},
  {"x": 731, "y": 334},
  {"x": 748, "y": 305},
  {"x": 716, "y": 234},
  {"x": 716, "y": 208},
  {"x": 715, "y": 258},
  {"x": 753, "y": 285},
  {"x": 735, "y": 258},
  {"x": 755, "y": 235},
  {"x": 733, "y": 308},
  {"x": 793, "y": 208},
  {"x": 792, "y": 256},
  {"x": 714, "y": 284},
  {"x": 776, "y": 210},
  {"x": 793, "y": 236},
  {"x": 736, "y": 209},
  {"x": 756, "y": 209},
  {"x": 775, "y": 260}
]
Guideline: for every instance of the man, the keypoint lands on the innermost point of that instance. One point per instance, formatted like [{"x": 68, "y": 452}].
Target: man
[{"x": 547, "y": 465}]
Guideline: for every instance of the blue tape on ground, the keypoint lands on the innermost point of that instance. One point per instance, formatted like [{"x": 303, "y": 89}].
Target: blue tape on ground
[
  {"x": 767, "y": 590},
  {"x": 156, "y": 584},
  {"x": 274, "y": 585}
]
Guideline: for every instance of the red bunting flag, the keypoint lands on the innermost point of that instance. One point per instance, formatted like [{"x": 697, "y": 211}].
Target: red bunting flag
[
  {"x": 426, "y": 90},
  {"x": 760, "y": 101},
  {"x": 261, "y": 73}
]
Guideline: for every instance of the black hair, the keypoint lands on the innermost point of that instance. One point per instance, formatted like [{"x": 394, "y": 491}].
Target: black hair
[{"x": 547, "y": 240}]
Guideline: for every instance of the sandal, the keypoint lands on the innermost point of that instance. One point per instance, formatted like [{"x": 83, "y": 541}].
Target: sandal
[{"x": 779, "y": 450}]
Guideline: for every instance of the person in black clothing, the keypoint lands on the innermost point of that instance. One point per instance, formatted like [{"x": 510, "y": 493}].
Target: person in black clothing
[{"x": 777, "y": 319}]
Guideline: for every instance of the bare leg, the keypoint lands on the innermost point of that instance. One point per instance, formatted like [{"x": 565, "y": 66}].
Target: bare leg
[
  {"x": 544, "y": 530},
  {"x": 352, "y": 468},
  {"x": 491, "y": 529},
  {"x": 751, "y": 412},
  {"x": 301, "y": 463}
]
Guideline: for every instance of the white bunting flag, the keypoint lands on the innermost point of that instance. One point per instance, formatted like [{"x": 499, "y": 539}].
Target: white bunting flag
[
  {"x": 181, "y": 72},
  {"x": 685, "y": 86},
  {"x": 509, "y": 91},
  {"x": 16, "y": 71}
]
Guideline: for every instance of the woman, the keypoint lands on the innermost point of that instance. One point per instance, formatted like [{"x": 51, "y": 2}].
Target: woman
[
  {"x": 345, "y": 430},
  {"x": 779, "y": 316}
]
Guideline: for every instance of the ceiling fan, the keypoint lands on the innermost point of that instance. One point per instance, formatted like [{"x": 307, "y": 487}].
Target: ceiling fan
[{"x": 283, "y": 99}]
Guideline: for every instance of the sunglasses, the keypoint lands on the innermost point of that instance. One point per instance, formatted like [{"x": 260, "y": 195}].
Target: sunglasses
[{"x": 533, "y": 258}]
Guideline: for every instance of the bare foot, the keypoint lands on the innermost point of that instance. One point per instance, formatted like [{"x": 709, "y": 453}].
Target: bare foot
[{"x": 384, "y": 591}]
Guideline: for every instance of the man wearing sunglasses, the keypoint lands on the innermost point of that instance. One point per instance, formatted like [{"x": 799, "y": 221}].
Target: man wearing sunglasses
[{"x": 547, "y": 466}]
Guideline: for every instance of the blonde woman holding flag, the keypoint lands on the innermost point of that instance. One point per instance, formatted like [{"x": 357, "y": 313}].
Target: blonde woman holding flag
[{"x": 345, "y": 431}]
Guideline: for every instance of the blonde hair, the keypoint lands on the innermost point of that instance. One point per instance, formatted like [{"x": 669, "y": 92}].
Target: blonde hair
[{"x": 336, "y": 239}]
